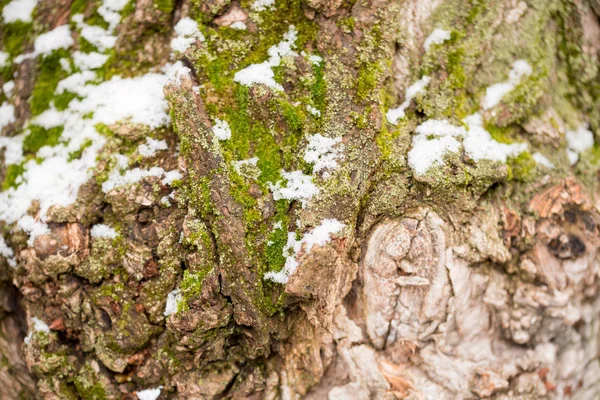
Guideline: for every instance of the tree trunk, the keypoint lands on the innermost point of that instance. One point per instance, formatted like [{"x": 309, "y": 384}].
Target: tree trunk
[{"x": 282, "y": 199}]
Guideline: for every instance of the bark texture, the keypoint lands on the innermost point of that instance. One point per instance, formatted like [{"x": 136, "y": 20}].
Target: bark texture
[{"x": 476, "y": 279}]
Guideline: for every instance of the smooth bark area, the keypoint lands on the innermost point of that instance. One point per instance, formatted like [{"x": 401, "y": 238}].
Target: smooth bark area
[{"x": 335, "y": 199}]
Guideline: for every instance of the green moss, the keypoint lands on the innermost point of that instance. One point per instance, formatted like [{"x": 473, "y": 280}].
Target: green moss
[
  {"x": 347, "y": 24},
  {"x": 521, "y": 167},
  {"x": 165, "y": 6},
  {"x": 77, "y": 154},
  {"x": 39, "y": 137},
  {"x": 15, "y": 35},
  {"x": 191, "y": 286},
  {"x": 367, "y": 80},
  {"x": 13, "y": 171},
  {"x": 50, "y": 73}
]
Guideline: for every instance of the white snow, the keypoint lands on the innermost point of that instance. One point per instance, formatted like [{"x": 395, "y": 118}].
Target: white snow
[
  {"x": 4, "y": 56},
  {"x": 116, "y": 179},
  {"x": 315, "y": 60},
  {"x": 173, "y": 300},
  {"x": 103, "y": 231},
  {"x": 151, "y": 146},
  {"x": 8, "y": 88},
  {"x": 319, "y": 236},
  {"x": 578, "y": 141},
  {"x": 110, "y": 11},
  {"x": 187, "y": 33},
  {"x": 395, "y": 114},
  {"x": 5, "y": 251},
  {"x": 96, "y": 35},
  {"x": 87, "y": 61},
  {"x": 149, "y": 394},
  {"x": 58, "y": 38},
  {"x": 257, "y": 73},
  {"x": 313, "y": 111},
  {"x": 171, "y": 176},
  {"x": 438, "y": 36},
  {"x": 542, "y": 160},
  {"x": 75, "y": 83},
  {"x": 55, "y": 181},
  {"x": 38, "y": 326},
  {"x": 262, "y": 5},
  {"x": 298, "y": 187},
  {"x": 49, "y": 119},
  {"x": 434, "y": 138},
  {"x": 262, "y": 73},
  {"x": 18, "y": 10},
  {"x": 238, "y": 25},
  {"x": 7, "y": 114},
  {"x": 322, "y": 152},
  {"x": 14, "y": 148},
  {"x": 495, "y": 93},
  {"x": 221, "y": 129}
]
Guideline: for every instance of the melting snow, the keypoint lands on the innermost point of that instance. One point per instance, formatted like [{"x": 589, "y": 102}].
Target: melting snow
[
  {"x": 438, "y": 36},
  {"x": 103, "y": 231},
  {"x": 173, "y": 300},
  {"x": 578, "y": 141},
  {"x": 38, "y": 326},
  {"x": 151, "y": 146},
  {"x": 542, "y": 160},
  {"x": 319, "y": 236},
  {"x": 221, "y": 129},
  {"x": 395, "y": 114},
  {"x": 187, "y": 33},
  {"x": 298, "y": 187},
  {"x": 149, "y": 394},
  {"x": 321, "y": 152},
  {"x": 495, "y": 93}
]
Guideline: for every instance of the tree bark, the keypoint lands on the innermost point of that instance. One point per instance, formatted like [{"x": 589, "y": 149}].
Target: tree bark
[{"x": 401, "y": 203}]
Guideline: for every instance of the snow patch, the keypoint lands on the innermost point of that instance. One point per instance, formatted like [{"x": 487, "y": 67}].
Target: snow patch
[
  {"x": 103, "y": 231},
  {"x": 298, "y": 187},
  {"x": 238, "y": 25},
  {"x": 578, "y": 141},
  {"x": 38, "y": 326},
  {"x": 313, "y": 111},
  {"x": 187, "y": 33},
  {"x": 7, "y": 114},
  {"x": 149, "y": 394},
  {"x": 319, "y": 236},
  {"x": 173, "y": 300},
  {"x": 495, "y": 93},
  {"x": 151, "y": 146},
  {"x": 395, "y": 114},
  {"x": 542, "y": 160},
  {"x": 4, "y": 56},
  {"x": 18, "y": 10},
  {"x": 88, "y": 61},
  {"x": 99, "y": 37},
  {"x": 221, "y": 129},
  {"x": 438, "y": 36},
  {"x": 5, "y": 251},
  {"x": 110, "y": 10},
  {"x": 435, "y": 138},
  {"x": 8, "y": 88},
  {"x": 262, "y": 73},
  {"x": 322, "y": 152},
  {"x": 262, "y": 5}
]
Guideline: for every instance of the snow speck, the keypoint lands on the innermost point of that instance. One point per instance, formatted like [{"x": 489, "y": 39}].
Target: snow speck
[
  {"x": 4, "y": 56},
  {"x": 171, "y": 176},
  {"x": 38, "y": 326},
  {"x": 322, "y": 152},
  {"x": 395, "y": 114},
  {"x": 262, "y": 73},
  {"x": 479, "y": 144},
  {"x": 18, "y": 10},
  {"x": 221, "y": 129},
  {"x": 173, "y": 300},
  {"x": 578, "y": 141},
  {"x": 187, "y": 33},
  {"x": 151, "y": 146},
  {"x": 7, "y": 114},
  {"x": 238, "y": 25},
  {"x": 298, "y": 187},
  {"x": 8, "y": 88},
  {"x": 438, "y": 36},
  {"x": 262, "y": 5},
  {"x": 313, "y": 111},
  {"x": 149, "y": 394},
  {"x": 319, "y": 236},
  {"x": 542, "y": 160},
  {"x": 495, "y": 93},
  {"x": 103, "y": 231},
  {"x": 5, "y": 251}
]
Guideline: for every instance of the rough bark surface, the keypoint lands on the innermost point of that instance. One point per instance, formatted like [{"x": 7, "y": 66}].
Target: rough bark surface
[{"x": 477, "y": 279}]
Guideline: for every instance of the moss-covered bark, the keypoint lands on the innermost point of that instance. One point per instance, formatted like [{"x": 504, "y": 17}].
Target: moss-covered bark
[{"x": 477, "y": 278}]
